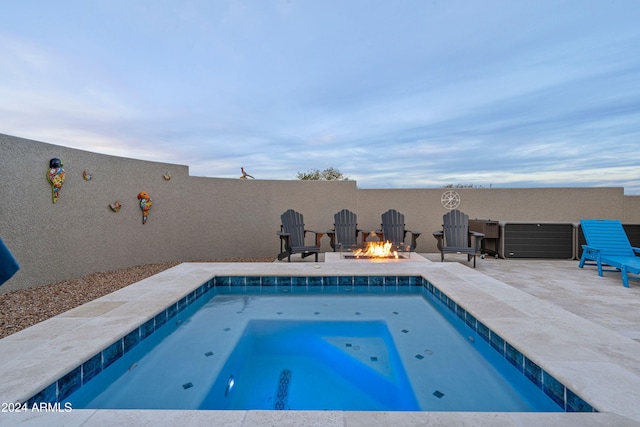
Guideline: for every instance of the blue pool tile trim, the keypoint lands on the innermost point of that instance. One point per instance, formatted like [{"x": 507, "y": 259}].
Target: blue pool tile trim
[
  {"x": 554, "y": 389},
  {"x": 112, "y": 353},
  {"x": 160, "y": 319},
  {"x": 252, "y": 281},
  {"x": 49, "y": 394},
  {"x": 148, "y": 328},
  {"x": 315, "y": 281},
  {"x": 576, "y": 404},
  {"x": 345, "y": 280},
  {"x": 483, "y": 331},
  {"x": 514, "y": 357},
  {"x": 342, "y": 283},
  {"x": 568, "y": 400},
  {"x": 131, "y": 339},
  {"x": 91, "y": 368},
  {"x": 70, "y": 383},
  {"x": 533, "y": 372},
  {"x": 298, "y": 281}
]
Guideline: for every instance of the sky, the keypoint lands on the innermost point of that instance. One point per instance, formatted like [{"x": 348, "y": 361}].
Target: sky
[{"x": 394, "y": 93}]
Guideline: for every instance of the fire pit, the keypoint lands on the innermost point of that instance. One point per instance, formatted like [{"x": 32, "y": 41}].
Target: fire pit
[{"x": 375, "y": 252}]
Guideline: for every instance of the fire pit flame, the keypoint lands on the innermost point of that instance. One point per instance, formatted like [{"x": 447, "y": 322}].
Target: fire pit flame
[{"x": 377, "y": 250}]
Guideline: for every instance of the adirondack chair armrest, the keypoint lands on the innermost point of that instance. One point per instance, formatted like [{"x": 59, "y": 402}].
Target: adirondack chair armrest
[
  {"x": 477, "y": 236},
  {"x": 318, "y": 236},
  {"x": 414, "y": 237},
  {"x": 284, "y": 238},
  {"x": 636, "y": 251},
  {"x": 332, "y": 238},
  {"x": 284, "y": 244},
  {"x": 439, "y": 235}
]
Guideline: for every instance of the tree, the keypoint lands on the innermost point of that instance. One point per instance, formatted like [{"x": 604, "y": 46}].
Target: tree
[{"x": 329, "y": 174}]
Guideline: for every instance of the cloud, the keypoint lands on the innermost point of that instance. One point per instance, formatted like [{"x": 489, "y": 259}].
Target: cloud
[{"x": 392, "y": 94}]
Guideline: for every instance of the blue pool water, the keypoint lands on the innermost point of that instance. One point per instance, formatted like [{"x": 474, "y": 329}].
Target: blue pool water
[{"x": 372, "y": 348}]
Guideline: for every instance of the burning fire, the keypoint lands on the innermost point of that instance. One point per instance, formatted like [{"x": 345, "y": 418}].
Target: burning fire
[{"x": 377, "y": 250}]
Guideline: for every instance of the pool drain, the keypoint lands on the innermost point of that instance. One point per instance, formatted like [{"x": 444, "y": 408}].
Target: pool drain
[{"x": 283, "y": 390}]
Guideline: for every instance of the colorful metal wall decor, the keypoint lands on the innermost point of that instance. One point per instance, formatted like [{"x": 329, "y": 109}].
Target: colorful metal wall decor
[
  {"x": 115, "y": 206},
  {"x": 167, "y": 176},
  {"x": 55, "y": 176},
  {"x": 145, "y": 205},
  {"x": 86, "y": 175}
]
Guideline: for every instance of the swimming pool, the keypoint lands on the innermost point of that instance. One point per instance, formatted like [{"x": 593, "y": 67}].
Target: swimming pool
[{"x": 474, "y": 333}]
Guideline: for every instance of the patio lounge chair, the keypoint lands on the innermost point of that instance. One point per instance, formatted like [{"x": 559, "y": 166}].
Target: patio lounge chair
[
  {"x": 292, "y": 234},
  {"x": 455, "y": 236},
  {"x": 345, "y": 230},
  {"x": 393, "y": 230},
  {"x": 608, "y": 244}
]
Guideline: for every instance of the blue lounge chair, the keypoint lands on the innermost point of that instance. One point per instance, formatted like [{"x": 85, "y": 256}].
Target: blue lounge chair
[{"x": 608, "y": 245}]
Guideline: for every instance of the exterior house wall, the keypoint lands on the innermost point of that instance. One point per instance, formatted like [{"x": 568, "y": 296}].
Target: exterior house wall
[{"x": 199, "y": 218}]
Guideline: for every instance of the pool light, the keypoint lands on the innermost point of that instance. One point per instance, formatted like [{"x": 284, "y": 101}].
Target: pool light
[{"x": 230, "y": 384}]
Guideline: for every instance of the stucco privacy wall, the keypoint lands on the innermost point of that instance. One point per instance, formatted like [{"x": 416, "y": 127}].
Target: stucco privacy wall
[
  {"x": 198, "y": 218},
  {"x": 192, "y": 218}
]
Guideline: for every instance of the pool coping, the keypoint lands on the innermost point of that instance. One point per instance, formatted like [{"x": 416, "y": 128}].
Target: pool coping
[{"x": 598, "y": 363}]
